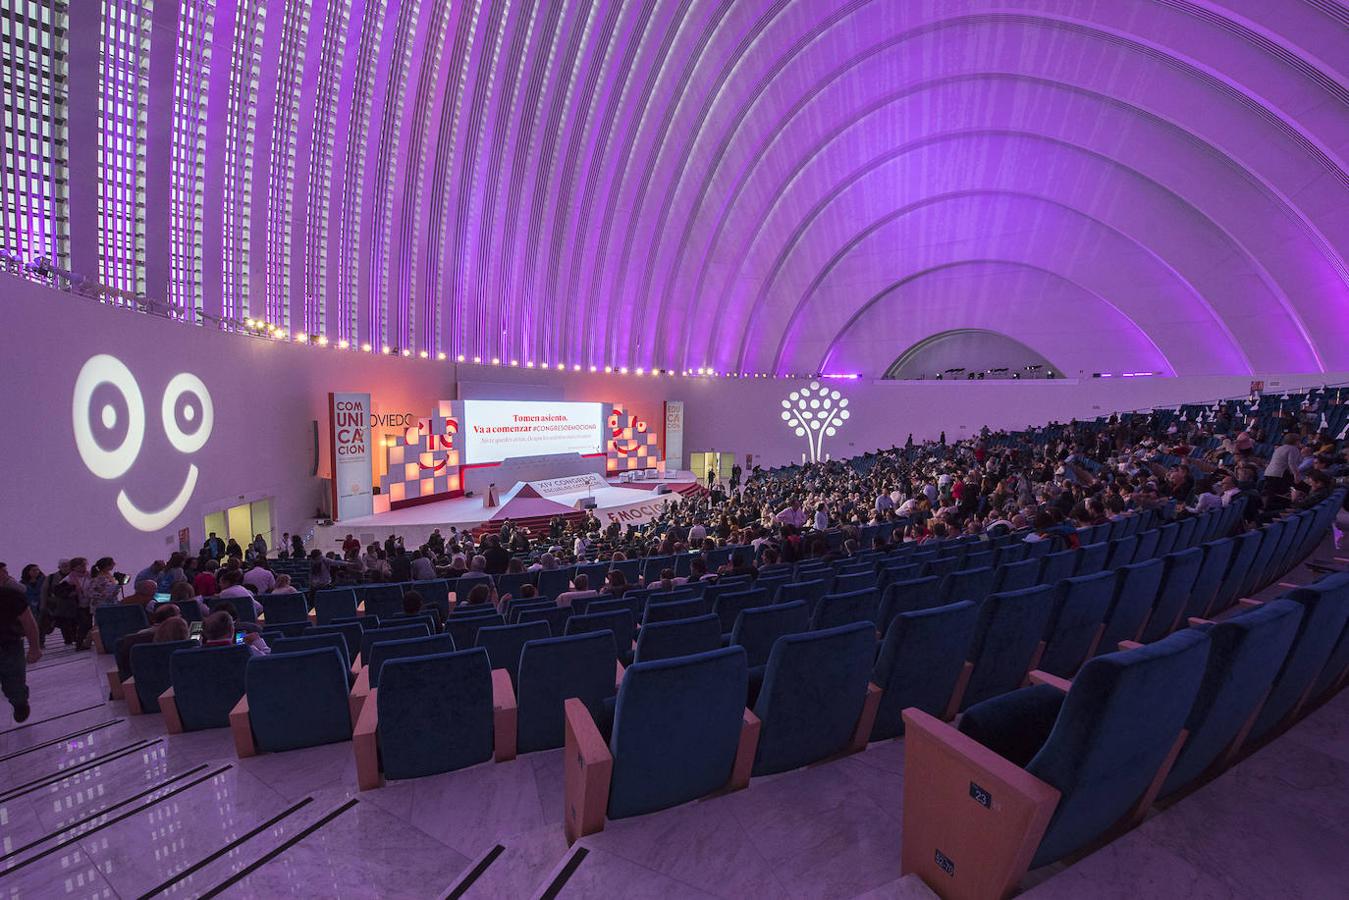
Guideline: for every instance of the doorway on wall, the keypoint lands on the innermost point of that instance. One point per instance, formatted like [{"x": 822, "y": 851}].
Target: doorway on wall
[
  {"x": 714, "y": 460},
  {"x": 242, "y": 522}
]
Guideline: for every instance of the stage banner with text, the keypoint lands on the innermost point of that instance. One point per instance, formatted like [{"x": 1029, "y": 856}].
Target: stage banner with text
[
  {"x": 349, "y": 441},
  {"x": 674, "y": 435}
]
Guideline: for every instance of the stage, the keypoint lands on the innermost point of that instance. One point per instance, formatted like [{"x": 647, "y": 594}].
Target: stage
[{"x": 626, "y": 502}]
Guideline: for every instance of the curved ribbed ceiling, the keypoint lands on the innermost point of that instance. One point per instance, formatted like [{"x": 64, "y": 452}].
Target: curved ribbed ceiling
[{"x": 793, "y": 186}]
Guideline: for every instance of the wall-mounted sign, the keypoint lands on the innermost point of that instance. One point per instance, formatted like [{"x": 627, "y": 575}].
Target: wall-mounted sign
[
  {"x": 349, "y": 440},
  {"x": 815, "y": 413}
]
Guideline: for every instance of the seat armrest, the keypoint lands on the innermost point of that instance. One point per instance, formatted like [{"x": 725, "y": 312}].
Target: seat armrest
[
  {"x": 357, "y": 664},
  {"x": 1129, "y": 645},
  {"x": 1196, "y": 621},
  {"x": 618, "y": 674},
  {"x": 168, "y": 705},
  {"x": 958, "y": 692},
  {"x": 242, "y": 730},
  {"x": 97, "y": 639},
  {"x": 115, "y": 686},
  {"x": 750, "y": 726},
  {"x": 505, "y": 715},
  {"x": 587, "y": 769},
  {"x": 360, "y": 695},
  {"x": 133, "y": 700},
  {"x": 867, "y": 720},
  {"x": 1248, "y": 603},
  {"x": 365, "y": 743},
  {"x": 1040, "y": 677},
  {"x": 971, "y": 820}
]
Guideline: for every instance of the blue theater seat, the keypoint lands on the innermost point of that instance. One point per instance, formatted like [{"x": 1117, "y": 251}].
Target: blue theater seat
[
  {"x": 668, "y": 612},
  {"x": 678, "y": 637},
  {"x": 284, "y": 609},
  {"x": 680, "y": 732},
  {"x": 1147, "y": 545},
  {"x": 435, "y": 594},
  {"x": 350, "y": 631},
  {"x": 334, "y": 603},
  {"x": 810, "y": 591},
  {"x": 432, "y": 714},
  {"x": 503, "y": 643},
  {"x": 115, "y": 622},
  {"x": 727, "y": 607},
  {"x": 1204, "y": 591},
  {"x": 150, "y": 674},
  {"x": 1136, "y": 587},
  {"x": 1038, "y": 774},
  {"x": 1180, "y": 570},
  {"x": 816, "y": 700},
  {"x": 1017, "y": 576},
  {"x": 382, "y": 652},
  {"x": 313, "y": 641},
  {"x": 206, "y": 684},
  {"x": 1091, "y": 558},
  {"x": 390, "y": 633},
  {"x": 382, "y": 600},
  {"x": 1010, "y": 628},
  {"x": 919, "y": 663},
  {"x": 1121, "y": 552},
  {"x": 292, "y": 700},
  {"x": 1245, "y": 653},
  {"x": 758, "y": 629},
  {"x": 556, "y": 669},
  {"x": 618, "y": 623},
  {"x": 1229, "y": 587},
  {"x": 1075, "y": 622},
  {"x": 1325, "y": 607},
  {"x": 967, "y": 584},
  {"x": 844, "y": 609},
  {"x": 858, "y": 581},
  {"x": 907, "y": 596},
  {"x": 555, "y": 616},
  {"x": 1057, "y": 566},
  {"x": 464, "y": 628}
]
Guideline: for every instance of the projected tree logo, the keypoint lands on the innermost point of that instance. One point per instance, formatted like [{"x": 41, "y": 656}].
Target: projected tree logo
[{"x": 815, "y": 413}]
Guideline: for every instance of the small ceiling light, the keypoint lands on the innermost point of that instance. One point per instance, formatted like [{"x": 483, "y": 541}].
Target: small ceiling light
[
  {"x": 343, "y": 344},
  {"x": 423, "y": 354},
  {"x": 496, "y": 360},
  {"x": 623, "y": 370},
  {"x": 323, "y": 340},
  {"x": 594, "y": 368},
  {"x": 576, "y": 367},
  {"x": 384, "y": 349},
  {"x": 366, "y": 347},
  {"x": 440, "y": 356},
  {"x": 477, "y": 359},
  {"x": 460, "y": 357},
  {"x": 530, "y": 364},
  {"x": 608, "y": 369},
  {"x": 561, "y": 366}
]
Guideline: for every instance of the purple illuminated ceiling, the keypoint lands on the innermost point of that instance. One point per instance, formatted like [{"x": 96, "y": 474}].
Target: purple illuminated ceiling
[{"x": 755, "y": 186}]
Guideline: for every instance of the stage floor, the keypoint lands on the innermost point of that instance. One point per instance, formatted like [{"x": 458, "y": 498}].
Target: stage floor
[{"x": 415, "y": 523}]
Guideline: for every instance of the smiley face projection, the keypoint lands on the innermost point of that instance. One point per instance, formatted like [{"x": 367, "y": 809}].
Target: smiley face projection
[
  {"x": 815, "y": 413},
  {"x": 185, "y": 411}
]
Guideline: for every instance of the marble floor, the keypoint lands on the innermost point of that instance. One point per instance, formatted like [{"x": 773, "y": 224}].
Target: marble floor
[{"x": 95, "y": 802}]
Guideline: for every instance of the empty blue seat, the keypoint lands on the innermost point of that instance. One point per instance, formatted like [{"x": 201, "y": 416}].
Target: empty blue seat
[
  {"x": 313, "y": 641},
  {"x": 1336, "y": 667},
  {"x": 383, "y": 599},
  {"x": 619, "y": 623},
  {"x": 393, "y": 633},
  {"x": 464, "y": 629},
  {"x": 350, "y": 631},
  {"x": 1245, "y": 653},
  {"x": 150, "y": 672},
  {"x": 116, "y": 621},
  {"x": 679, "y": 609},
  {"x": 1057, "y": 566},
  {"x": 907, "y": 596},
  {"x": 728, "y": 606},
  {"x": 555, "y": 616},
  {"x": 334, "y": 603},
  {"x": 1147, "y": 545},
  {"x": 1229, "y": 587},
  {"x": 554, "y": 670},
  {"x": 381, "y": 652},
  {"x": 1016, "y": 576},
  {"x": 759, "y": 628},
  {"x": 1270, "y": 536},
  {"x": 814, "y": 691},
  {"x": 1010, "y": 628},
  {"x": 512, "y": 582},
  {"x": 770, "y": 584},
  {"x": 967, "y": 584},
  {"x": 1179, "y": 572},
  {"x": 1091, "y": 559},
  {"x": 1166, "y": 539},
  {"x": 293, "y": 700},
  {"x": 207, "y": 683},
  {"x": 517, "y": 606},
  {"x": 941, "y": 565},
  {"x": 1013, "y": 552},
  {"x": 503, "y": 643},
  {"x": 676, "y": 737},
  {"x": 858, "y": 581},
  {"x": 1121, "y": 552},
  {"x": 552, "y": 582},
  {"x": 1185, "y": 534},
  {"x": 1325, "y": 606},
  {"x": 678, "y": 637},
  {"x": 1204, "y": 592},
  {"x": 1136, "y": 587},
  {"x": 1075, "y": 622},
  {"x": 844, "y": 609},
  {"x": 435, "y": 714},
  {"x": 810, "y": 591},
  {"x": 1094, "y": 752},
  {"x": 281, "y": 609},
  {"x": 919, "y": 663}
]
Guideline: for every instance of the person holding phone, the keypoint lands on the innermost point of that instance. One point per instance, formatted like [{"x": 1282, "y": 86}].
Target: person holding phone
[
  {"x": 16, "y": 625},
  {"x": 217, "y": 630}
]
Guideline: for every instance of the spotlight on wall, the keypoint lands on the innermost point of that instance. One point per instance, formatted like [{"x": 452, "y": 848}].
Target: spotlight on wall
[
  {"x": 421, "y": 354},
  {"x": 343, "y": 344},
  {"x": 366, "y": 347},
  {"x": 608, "y": 369},
  {"x": 496, "y": 360},
  {"x": 594, "y": 368},
  {"x": 440, "y": 356}
]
